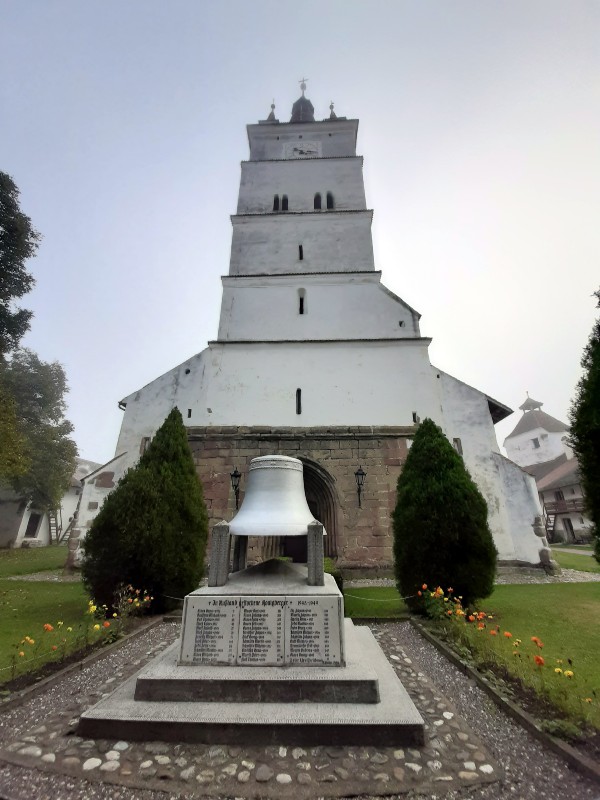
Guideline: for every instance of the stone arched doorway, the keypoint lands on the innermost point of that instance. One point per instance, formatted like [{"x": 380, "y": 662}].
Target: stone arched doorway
[{"x": 321, "y": 497}]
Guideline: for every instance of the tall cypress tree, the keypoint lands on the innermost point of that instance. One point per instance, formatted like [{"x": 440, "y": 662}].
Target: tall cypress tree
[
  {"x": 441, "y": 533},
  {"x": 151, "y": 531},
  {"x": 585, "y": 427}
]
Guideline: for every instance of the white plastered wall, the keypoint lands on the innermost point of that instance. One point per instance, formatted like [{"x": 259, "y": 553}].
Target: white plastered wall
[
  {"x": 335, "y": 307},
  {"x": 522, "y": 451}
]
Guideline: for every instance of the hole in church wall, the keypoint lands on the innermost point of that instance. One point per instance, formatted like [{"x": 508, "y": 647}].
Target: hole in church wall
[
  {"x": 300, "y": 252},
  {"x": 298, "y": 401}
]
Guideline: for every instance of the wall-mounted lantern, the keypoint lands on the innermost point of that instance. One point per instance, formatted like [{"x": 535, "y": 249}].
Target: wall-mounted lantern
[
  {"x": 360, "y": 476},
  {"x": 235, "y": 485}
]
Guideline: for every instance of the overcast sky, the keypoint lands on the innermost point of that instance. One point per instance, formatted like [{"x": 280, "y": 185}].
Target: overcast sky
[{"x": 123, "y": 124}]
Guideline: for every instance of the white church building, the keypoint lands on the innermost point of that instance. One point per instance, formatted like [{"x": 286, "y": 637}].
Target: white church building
[{"x": 315, "y": 358}]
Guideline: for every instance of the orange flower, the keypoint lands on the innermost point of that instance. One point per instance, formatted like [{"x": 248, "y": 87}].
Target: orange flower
[
  {"x": 450, "y": 590},
  {"x": 537, "y": 642},
  {"x": 471, "y": 618},
  {"x": 480, "y": 626},
  {"x": 48, "y": 627},
  {"x": 419, "y": 593},
  {"x": 508, "y": 634},
  {"x": 449, "y": 612},
  {"x": 424, "y": 586},
  {"x": 106, "y": 624},
  {"x": 54, "y": 647},
  {"x": 539, "y": 661},
  {"x": 21, "y": 654},
  {"x": 493, "y": 632}
]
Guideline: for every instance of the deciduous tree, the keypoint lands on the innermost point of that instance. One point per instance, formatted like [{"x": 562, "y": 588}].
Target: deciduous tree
[
  {"x": 441, "y": 533},
  {"x": 38, "y": 391},
  {"x": 18, "y": 242}
]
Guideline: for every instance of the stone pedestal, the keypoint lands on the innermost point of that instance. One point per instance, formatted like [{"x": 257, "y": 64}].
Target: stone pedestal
[{"x": 266, "y": 658}]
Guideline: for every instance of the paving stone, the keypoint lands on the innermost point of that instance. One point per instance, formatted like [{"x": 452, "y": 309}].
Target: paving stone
[
  {"x": 283, "y": 778},
  {"x": 188, "y": 773},
  {"x": 110, "y": 766},
  {"x": 298, "y": 752},
  {"x": 469, "y": 766},
  {"x": 31, "y": 750},
  {"x": 303, "y": 778},
  {"x": 120, "y": 746},
  {"x": 416, "y": 768},
  {"x": 71, "y": 761},
  {"x": 382, "y": 777},
  {"x": 156, "y": 748},
  {"x": 328, "y": 777},
  {"x": 243, "y": 776},
  {"x": 398, "y": 773},
  {"x": 341, "y": 773},
  {"x": 467, "y": 775},
  {"x": 91, "y": 763},
  {"x": 487, "y": 769},
  {"x": 263, "y": 773},
  {"x": 146, "y": 764},
  {"x": 379, "y": 758},
  {"x": 399, "y": 755},
  {"x": 248, "y": 765},
  {"x": 49, "y": 758},
  {"x": 162, "y": 760},
  {"x": 113, "y": 755},
  {"x": 230, "y": 769}
]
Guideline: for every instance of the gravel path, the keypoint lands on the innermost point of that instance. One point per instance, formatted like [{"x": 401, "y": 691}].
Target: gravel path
[{"x": 455, "y": 709}]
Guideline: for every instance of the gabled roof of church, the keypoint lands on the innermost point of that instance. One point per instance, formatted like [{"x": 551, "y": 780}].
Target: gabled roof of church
[{"x": 566, "y": 474}]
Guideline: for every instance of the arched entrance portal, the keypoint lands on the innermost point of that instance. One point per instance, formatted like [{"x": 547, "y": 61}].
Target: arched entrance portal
[{"x": 321, "y": 498}]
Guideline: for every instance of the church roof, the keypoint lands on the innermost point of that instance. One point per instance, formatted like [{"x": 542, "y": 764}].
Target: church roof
[
  {"x": 530, "y": 404},
  {"x": 537, "y": 419},
  {"x": 565, "y": 474}
]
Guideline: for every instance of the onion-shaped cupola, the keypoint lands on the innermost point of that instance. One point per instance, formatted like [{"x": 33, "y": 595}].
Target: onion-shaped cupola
[{"x": 303, "y": 110}]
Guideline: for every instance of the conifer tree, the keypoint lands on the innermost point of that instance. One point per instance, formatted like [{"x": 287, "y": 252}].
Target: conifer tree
[
  {"x": 151, "y": 531},
  {"x": 585, "y": 427},
  {"x": 441, "y": 533}
]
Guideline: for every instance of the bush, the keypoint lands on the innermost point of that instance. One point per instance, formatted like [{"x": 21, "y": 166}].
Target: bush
[
  {"x": 331, "y": 568},
  {"x": 151, "y": 531},
  {"x": 585, "y": 428},
  {"x": 441, "y": 533}
]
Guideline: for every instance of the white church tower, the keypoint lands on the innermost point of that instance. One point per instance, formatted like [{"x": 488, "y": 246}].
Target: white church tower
[{"x": 316, "y": 358}]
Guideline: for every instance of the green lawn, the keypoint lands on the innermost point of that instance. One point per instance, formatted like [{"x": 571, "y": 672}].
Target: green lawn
[
  {"x": 24, "y": 561},
  {"x": 574, "y": 561},
  {"x": 25, "y": 606},
  {"x": 374, "y": 602}
]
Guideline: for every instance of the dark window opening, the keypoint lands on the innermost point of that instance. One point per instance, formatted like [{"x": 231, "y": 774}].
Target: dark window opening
[
  {"x": 401, "y": 323},
  {"x": 301, "y": 308},
  {"x": 144, "y": 444},
  {"x": 189, "y": 412},
  {"x": 329, "y": 200},
  {"x": 187, "y": 372},
  {"x": 300, "y": 252},
  {"x": 276, "y": 203},
  {"x": 318, "y": 200},
  {"x": 33, "y": 523},
  {"x": 298, "y": 401},
  {"x": 458, "y": 446},
  {"x": 416, "y": 418},
  {"x": 284, "y": 203},
  {"x": 536, "y": 443}
]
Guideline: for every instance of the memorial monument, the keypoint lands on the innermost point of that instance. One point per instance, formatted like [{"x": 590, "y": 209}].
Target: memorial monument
[{"x": 265, "y": 652}]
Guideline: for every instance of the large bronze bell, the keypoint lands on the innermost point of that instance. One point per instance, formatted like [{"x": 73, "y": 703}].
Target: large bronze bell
[{"x": 274, "y": 503}]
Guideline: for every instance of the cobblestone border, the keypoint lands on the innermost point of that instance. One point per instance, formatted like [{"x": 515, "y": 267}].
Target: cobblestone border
[{"x": 579, "y": 762}]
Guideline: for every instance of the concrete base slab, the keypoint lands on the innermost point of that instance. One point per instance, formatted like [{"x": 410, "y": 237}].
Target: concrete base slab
[
  {"x": 165, "y": 680},
  {"x": 392, "y": 721}
]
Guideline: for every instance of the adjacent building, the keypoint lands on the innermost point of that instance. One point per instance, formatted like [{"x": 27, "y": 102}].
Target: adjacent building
[
  {"x": 316, "y": 358},
  {"x": 540, "y": 444}
]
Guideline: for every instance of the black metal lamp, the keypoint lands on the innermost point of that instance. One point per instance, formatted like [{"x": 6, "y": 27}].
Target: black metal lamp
[
  {"x": 360, "y": 476},
  {"x": 235, "y": 485}
]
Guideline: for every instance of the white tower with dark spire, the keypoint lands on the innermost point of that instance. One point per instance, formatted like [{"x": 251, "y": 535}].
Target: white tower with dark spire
[{"x": 317, "y": 359}]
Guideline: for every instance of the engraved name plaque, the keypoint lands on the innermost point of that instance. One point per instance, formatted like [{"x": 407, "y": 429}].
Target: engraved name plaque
[
  {"x": 262, "y": 630},
  {"x": 313, "y": 631}
]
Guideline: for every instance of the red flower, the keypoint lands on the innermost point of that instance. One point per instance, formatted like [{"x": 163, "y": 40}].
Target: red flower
[
  {"x": 493, "y": 632},
  {"x": 106, "y": 624},
  {"x": 48, "y": 627},
  {"x": 539, "y": 661}
]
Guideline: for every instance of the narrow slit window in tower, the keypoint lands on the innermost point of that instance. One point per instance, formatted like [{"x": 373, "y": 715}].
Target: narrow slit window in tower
[
  {"x": 302, "y": 301},
  {"x": 189, "y": 413},
  {"x": 300, "y": 253},
  {"x": 318, "y": 200},
  {"x": 276, "y": 203},
  {"x": 284, "y": 202},
  {"x": 298, "y": 401},
  {"x": 330, "y": 203}
]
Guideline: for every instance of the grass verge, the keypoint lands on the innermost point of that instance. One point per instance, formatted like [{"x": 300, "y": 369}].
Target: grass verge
[
  {"x": 574, "y": 561},
  {"x": 374, "y": 602},
  {"x": 25, "y": 561}
]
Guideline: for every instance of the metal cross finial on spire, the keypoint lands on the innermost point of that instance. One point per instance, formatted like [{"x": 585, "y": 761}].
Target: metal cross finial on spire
[{"x": 303, "y": 85}]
